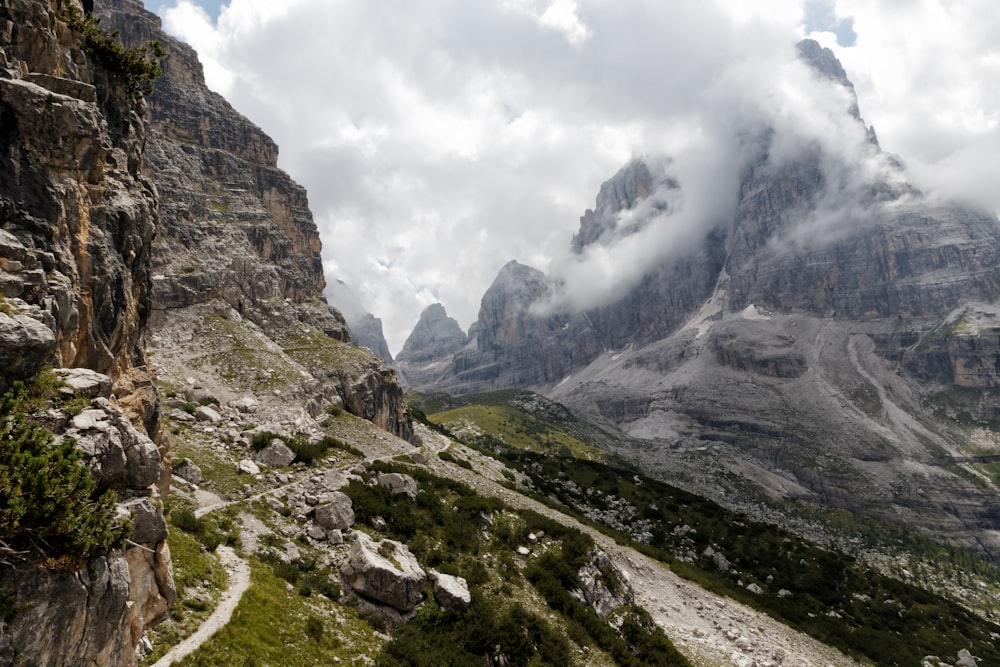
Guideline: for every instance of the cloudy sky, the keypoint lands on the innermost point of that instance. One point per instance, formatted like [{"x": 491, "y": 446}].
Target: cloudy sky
[{"x": 439, "y": 139}]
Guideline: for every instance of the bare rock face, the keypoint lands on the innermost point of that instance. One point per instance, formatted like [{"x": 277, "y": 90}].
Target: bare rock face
[
  {"x": 435, "y": 336},
  {"x": 384, "y": 571},
  {"x": 77, "y": 221},
  {"x": 451, "y": 592},
  {"x": 239, "y": 241},
  {"x": 603, "y": 586},
  {"x": 820, "y": 344}
]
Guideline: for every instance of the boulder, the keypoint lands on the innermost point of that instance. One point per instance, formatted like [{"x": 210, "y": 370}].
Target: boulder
[
  {"x": 966, "y": 659},
  {"x": 246, "y": 405},
  {"x": 384, "y": 571},
  {"x": 189, "y": 471},
  {"x": 451, "y": 592},
  {"x": 248, "y": 467},
  {"x": 84, "y": 382},
  {"x": 25, "y": 346},
  {"x": 603, "y": 586},
  {"x": 399, "y": 484},
  {"x": 203, "y": 413},
  {"x": 338, "y": 514},
  {"x": 275, "y": 454}
]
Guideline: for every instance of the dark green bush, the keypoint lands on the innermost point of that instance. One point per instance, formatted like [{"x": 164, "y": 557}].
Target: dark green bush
[{"x": 50, "y": 505}]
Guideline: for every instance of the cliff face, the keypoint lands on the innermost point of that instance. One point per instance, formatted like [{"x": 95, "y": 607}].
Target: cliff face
[
  {"x": 77, "y": 220},
  {"x": 238, "y": 242},
  {"x": 819, "y": 345}
]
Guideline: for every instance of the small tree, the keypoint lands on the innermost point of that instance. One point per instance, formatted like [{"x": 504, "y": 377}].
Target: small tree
[{"x": 50, "y": 507}]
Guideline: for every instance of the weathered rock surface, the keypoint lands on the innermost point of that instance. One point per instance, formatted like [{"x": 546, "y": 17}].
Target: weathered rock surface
[
  {"x": 187, "y": 469},
  {"x": 276, "y": 453},
  {"x": 337, "y": 513},
  {"x": 435, "y": 336},
  {"x": 820, "y": 344},
  {"x": 384, "y": 571},
  {"x": 451, "y": 592},
  {"x": 398, "y": 484},
  {"x": 77, "y": 221},
  {"x": 603, "y": 586},
  {"x": 241, "y": 243}
]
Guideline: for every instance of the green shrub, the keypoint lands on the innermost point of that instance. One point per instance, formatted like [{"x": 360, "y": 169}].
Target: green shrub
[
  {"x": 136, "y": 68},
  {"x": 263, "y": 439},
  {"x": 314, "y": 628},
  {"x": 49, "y": 502}
]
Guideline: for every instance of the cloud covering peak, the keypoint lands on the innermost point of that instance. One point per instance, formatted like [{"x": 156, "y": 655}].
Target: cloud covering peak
[{"x": 439, "y": 139}]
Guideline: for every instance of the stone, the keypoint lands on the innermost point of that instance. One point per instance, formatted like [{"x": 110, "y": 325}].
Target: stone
[
  {"x": 246, "y": 405},
  {"x": 248, "y": 467},
  {"x": 25, "y": 346},
  {"x": 451, "y": 592},
  {"x": 316, "y": 532},
  {"x": 399, "y": 484},
  {"x": 384, "y": 571},
  {"x": 187, "y": 470},
  {"x": 603, "y": 586},
  {"x": 338, "y": 514},
  {"x": 966, "y": 659},
  {"x": 276, "y": 453},
  {"x": 148, "y": 524},
  {"x": 754, "y": 588},
  {"x": 84, "y": 382},
  {"x": 204, "y": 413}
]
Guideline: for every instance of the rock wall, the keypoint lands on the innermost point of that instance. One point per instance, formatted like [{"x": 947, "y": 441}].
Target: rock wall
[
  {"x": 77, "y": 221},
  {"x": 237, "y": 233}
]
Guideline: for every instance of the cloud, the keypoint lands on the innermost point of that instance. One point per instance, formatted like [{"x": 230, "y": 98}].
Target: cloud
[{"x": 440, "y": 139}]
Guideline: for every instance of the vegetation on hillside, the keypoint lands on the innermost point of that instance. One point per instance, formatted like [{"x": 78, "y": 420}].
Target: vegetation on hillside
[
  {"x": 51, "y": 510},
  {"x": 819, "y": 590}
]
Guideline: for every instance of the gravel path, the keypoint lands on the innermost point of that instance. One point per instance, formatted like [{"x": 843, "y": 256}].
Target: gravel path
[{"x": 239, "y": 581}]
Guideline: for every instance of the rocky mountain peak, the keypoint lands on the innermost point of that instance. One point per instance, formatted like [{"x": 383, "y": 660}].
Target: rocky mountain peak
[{"x": 435, "y": 336}]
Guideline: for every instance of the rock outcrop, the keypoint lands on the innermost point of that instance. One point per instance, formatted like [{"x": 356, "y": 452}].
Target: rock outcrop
[
  {"x": 238, "y": 241},
  {"x": 78, "y": 218},
  {"x": 385, "y": 572}
]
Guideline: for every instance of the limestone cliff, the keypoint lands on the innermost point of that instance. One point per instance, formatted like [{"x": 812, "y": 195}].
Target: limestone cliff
[
  {"x": 238, "y": 242},
  {"x": 77, "y": 221},
  {"x": 821, "y": 344}
]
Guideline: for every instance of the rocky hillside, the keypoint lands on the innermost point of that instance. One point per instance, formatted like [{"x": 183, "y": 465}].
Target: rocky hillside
[
  {"x": 77, "y": 221},
  {"x": 238, "y": 305},
  {"x": 842, "y": 365}
]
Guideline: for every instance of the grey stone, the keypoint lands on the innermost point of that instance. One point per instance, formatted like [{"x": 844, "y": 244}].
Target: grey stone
[
  {"x": 337, "y": 514},
  {"x": 148, "y": 524},
  {"x": 25, "y": 346},
  {"x": 276, "y": 453},
  {"x": 248, "y": 467},
  {"x": 204, "y": 413},
  {"x": 85, "y": 382},
  {"x": 399, "y": 484},
  {"x": 384, "y": 571},
  {"x": 188, "y": 470},
  {"x": 451, "y": 592}
]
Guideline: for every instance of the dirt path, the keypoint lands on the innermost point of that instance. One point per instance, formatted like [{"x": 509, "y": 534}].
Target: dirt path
[{"x": 239, "y": 581}]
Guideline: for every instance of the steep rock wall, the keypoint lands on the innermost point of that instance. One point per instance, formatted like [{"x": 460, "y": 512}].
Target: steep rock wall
[{"x": 77, "y": 220}]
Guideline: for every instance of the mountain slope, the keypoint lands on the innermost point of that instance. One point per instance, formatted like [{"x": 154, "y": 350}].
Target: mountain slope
[{"x": 819, "y": 345}]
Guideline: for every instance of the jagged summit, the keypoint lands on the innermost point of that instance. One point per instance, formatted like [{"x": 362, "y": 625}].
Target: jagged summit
[
  {"x": 808, "y": 333},
  {"x": 435, "y": 336}
]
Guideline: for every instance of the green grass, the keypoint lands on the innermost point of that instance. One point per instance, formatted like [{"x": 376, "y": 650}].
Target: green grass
[
  {"x": 275, "y": 626},
  {"x": 191, "y": 567},
  {"x": 518, "y": 429}
]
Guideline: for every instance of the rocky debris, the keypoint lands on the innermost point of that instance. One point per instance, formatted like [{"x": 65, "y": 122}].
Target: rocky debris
[
  {"x": 384, "y": 571},
  {"x": 755, "y": 588},
  {"x": 966, "y": 659},
  {"x": 398, "y": 484},
  {"x": 276, "y": 453},
  {"x": 187, "y": 470},
  {"x": 337, "y": 513},
  {"x": 451, "y": 592},
  {"x": 603, "y": 586},
  {"x": 246, "y": 404}
]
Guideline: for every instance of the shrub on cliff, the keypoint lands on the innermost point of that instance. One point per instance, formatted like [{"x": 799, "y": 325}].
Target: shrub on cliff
[{"x": 50, "y": 507}]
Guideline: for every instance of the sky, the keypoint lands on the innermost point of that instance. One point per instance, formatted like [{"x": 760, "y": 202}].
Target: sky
[{"x": 439, "y": 139}]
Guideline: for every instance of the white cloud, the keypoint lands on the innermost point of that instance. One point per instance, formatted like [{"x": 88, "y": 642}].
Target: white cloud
[{"x": 438, "y": 140}]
